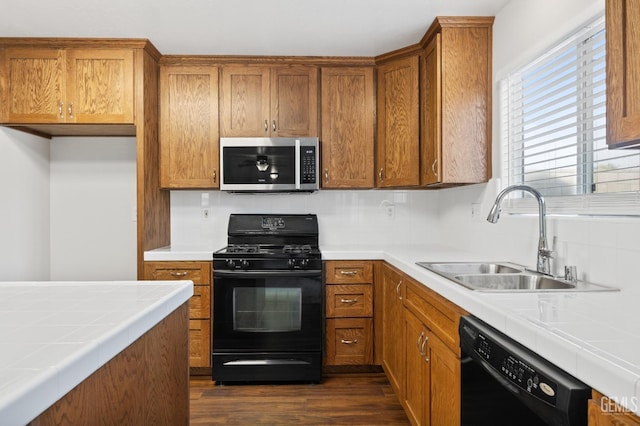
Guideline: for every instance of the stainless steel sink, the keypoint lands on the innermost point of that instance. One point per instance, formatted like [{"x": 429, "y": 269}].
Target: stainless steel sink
[
  {"x": 507, "y": 282},
  {"x": 460, "y": 268},
  {"x": 505, "y": 277}
]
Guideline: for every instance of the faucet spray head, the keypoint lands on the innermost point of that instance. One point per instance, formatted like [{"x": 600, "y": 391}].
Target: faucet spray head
[{"x": 494, "y": 214}]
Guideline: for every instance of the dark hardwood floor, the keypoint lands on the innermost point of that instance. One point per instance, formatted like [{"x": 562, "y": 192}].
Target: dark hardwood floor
[{"x": 353, "y": 399}]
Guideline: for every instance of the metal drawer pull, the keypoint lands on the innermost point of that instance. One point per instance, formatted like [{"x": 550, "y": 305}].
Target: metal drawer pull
[
  {"x": 351, "y": 301},
  {"x": 349, "y": 342},
  {"x": 350, "y": 273},
  {"x": 179, "y": 274}
]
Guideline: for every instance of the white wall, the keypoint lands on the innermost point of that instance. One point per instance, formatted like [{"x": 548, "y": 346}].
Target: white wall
[
  {"x": 353, "y": 217},
  {"x": 24, "y": 206},
  {"x": 605, "y": 249},
  {"x": 93, "y": 200}
]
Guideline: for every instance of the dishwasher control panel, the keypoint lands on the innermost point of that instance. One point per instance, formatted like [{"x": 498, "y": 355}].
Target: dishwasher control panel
[{"x": 514, "y": 369}]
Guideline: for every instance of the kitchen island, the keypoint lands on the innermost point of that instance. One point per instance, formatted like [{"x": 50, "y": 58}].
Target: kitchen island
[{"x": 76, "y": 352}]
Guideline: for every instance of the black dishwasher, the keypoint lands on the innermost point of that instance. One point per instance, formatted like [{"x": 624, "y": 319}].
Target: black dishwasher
[{"x": 505, "y": 384}]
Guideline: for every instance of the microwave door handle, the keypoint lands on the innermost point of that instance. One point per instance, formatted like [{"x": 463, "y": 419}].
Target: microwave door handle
[{"x": 297, "y": 163}]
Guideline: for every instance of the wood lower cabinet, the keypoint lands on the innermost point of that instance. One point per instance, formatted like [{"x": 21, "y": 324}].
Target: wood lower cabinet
[
  {"x": 347, "y": 106},
  {"x": 349, "y": 313},
  {"x": 604, "y": 411},
  {"x": 455, "y": 97},
  {"x": 200, "y": 313},
  {"x": 421, "y": 349},
  {"x": 623, "y": 77},
  {"x": 189, "y": 153},
  {"x": 268, "y": 101},
  {"x": 393, "y": 346},
  {"x": 84, "y": 86},
  {"x": 398, "y": 149}
]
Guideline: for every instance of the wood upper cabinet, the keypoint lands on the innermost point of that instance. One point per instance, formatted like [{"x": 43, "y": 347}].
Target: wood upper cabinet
[
  {"x": 189, "y": 153},
  {"x": 269, "y": 101},
  {"x": 456, "y": 102},
  {"x": 87, "y": 86},
  {"x": 347, "y": 107},
  {"x": 393, "y": 347},
  {"x": 398, "y": 158},
  {"x": 623, "y": 73}
]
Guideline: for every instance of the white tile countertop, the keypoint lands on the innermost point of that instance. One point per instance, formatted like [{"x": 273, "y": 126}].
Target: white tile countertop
[
  {"x": 594, "y": 336},
  {"x": 53, "y": 335}
]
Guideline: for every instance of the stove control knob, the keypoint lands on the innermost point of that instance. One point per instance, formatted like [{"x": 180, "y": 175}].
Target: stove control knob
[
  {"x": 244, "y": 264},
  {"x": 231, "y": 263},
  {"x": 304, "y": 263},
  {"x": 291, "y": 263}
]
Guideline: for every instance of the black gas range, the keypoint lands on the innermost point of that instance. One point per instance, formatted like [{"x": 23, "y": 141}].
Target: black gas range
[{"x": 268, "y": 300}]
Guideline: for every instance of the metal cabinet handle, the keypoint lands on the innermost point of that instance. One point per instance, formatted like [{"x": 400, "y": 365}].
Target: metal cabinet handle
[
  {"x": 179, "y": 274},
  {"x": 70, "y": 109},
  {"x": 350, "y": 273},
  {"x": 419, "y": 343},
  {"x": 380, "y": 175},
  {"x": 266, "y": 126},
  {"x": 274, "y": 125},
  {"x": 398, "y": 290},
  {"x": 60, "y": 109},
  {"x": 423, "y": 351},
  {"x": 433, "y": 167},
  {"x": 349, "y": 301},
  {"x": 349, "y": 342},
  {"x": 326, "y": 175},
  {"x": 215, "y": 175}
]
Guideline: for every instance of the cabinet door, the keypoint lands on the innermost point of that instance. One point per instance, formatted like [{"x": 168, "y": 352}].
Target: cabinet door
[
  {"x": 417, "y": 380},
  {"x": 347, "y": 98},
  {"x": 431, "y": 161},
  {"x": 445, "y": 384},
  {"x": 34, "y": 84},
  {"x": 199, "y": 343},
  {"x": 189, "y": 154},
  {"x": 245, "y": 101},
  {"x": 623, "y": 73},
  {"x": 398, "y": 151},
  {"x": 393, "y": 328},
  {"x": 294, "y": 101},
  {"x": 99, "y": 86}
]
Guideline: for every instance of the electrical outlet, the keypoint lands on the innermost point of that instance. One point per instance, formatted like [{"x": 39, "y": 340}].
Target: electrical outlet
[
  {"x": 205, "y": 213},
  {"x": 476, "y": 212},
  {"x": 391, "y": 211}
]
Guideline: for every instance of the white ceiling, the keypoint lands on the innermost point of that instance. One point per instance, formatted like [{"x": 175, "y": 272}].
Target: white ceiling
[{"x": 241, "y": 27}]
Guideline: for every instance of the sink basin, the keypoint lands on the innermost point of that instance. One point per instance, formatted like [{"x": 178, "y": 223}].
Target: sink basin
[
  {"x": 505, "y": 277},
  {"x": 508, "y": 282},
  {"x": 463, "y": 268}
]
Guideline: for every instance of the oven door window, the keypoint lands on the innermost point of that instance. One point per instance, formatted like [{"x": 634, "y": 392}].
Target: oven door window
[{"x": 267, "y": 309}]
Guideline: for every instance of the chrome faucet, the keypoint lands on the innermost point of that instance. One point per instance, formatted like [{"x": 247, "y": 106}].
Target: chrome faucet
[{"x": 544, "y": 253}]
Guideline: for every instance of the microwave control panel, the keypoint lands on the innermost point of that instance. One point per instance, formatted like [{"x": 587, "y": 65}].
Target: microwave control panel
[{"x": 308, "y": 164}]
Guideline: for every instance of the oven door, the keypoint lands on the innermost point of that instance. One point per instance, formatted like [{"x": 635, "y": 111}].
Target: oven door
[{"x": 267, "y": 311}]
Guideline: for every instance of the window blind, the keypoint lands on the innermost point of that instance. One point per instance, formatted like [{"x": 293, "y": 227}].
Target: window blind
[{"x": 554, "y": 131}]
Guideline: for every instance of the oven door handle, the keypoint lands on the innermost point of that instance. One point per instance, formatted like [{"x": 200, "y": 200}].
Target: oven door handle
[{"x": 268, "y": 274}]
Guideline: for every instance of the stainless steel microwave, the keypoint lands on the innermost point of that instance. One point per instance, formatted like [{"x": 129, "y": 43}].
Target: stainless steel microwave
[{"x": 269, "y": 164}]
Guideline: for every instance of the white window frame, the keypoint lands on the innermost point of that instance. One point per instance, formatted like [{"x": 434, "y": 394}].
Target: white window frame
[{"x": 588, "y": 204}]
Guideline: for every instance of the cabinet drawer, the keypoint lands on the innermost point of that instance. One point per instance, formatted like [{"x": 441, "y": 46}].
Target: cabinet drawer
[
  {"x": 349, "y": 272},
  {"x": 198, "y": 272},
  {"x": 344, "y": 301},
  {"x": 200, "y": 302},
  {"x": 199, "y": 343},
  {"x": 349, "y": 341}
]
